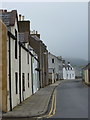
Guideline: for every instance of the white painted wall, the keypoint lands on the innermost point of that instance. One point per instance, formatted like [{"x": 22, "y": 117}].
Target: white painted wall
[
  {"x": 64, "y": 73},
  {"x": 14, "y": 68},
  {"x": 36, "y": 85},
  {"x": 68, "y": 73},
  {"x": 57, "y": 66},
  {"x": 86, "y": 76},
  {"x": 26, "y": 68}
]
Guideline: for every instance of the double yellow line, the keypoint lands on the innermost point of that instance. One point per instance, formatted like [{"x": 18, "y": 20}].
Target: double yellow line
[{"x": 53, "y": 108}]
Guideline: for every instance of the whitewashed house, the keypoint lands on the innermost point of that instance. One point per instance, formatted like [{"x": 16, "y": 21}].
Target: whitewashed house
[
  {"x": 52, "y": 67},
  {"x": 29, "y": 61},
  {"x": 68, "y": 71},
  {"x": 17, "y": 67},
  {"x": 11, "y": 83},
  {"x": 55, "y": 68},
  {"x": 25, "y": 57},
  {"x": 25, "y": 71},
  {"x": 35, "y": 72}
]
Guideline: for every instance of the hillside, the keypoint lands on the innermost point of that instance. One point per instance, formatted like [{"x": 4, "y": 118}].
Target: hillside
[{"x": 76, "y": 61}]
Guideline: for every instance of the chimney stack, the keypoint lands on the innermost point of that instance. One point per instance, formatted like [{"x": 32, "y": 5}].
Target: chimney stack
[
  {"x": 36, "y": 32},
  {"x": 1, "y": 11},
  {"x": 33, "y": 31},
  {"x": 22, "y": 18},
  {"x": 19, "y": 17},
  {"x": 5, "y": 10}
]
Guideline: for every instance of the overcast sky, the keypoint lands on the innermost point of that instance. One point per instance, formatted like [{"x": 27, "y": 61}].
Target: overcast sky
[{"x": 63, "y": 25}]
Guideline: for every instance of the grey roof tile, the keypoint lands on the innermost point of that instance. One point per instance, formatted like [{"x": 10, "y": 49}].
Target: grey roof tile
[{"x": 9, "y": 17}]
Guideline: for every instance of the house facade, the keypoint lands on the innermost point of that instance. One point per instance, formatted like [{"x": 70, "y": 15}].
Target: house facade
[
  {"x": 42, "y": 52},
  {"x": 35, "y": 73},
  {"x": 19, "y": 66},
  {"x": 32, "y": 59},
  {"x": 68, "y": 71},
  {"x": 86, "y": 74},
  {"x": 55, "y": 68},
  {"x": 25, "y": 65},
  {"x": 10, "y": 19}
]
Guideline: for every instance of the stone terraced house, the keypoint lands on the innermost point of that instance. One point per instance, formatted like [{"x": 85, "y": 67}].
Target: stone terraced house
[
  {"x": 10, "y": 55},
  {"x": 18, "y": 64}
]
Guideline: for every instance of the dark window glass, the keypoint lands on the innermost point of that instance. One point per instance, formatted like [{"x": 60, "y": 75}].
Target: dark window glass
[
  {"x": 52, "y": 60},
  {"x": 28, "y": 80},
  {"x": 16, "y": 82},
  {"x": 27, "y": 57},
  {"x": 68, "y": 68},
  {"x": 23, "y": 81}
]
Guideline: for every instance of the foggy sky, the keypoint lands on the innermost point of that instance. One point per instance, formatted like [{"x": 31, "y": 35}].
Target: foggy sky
[{"x": 63, "y": 26}]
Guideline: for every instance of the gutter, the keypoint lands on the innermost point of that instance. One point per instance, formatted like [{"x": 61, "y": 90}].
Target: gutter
[{"x": 32, "y": 73}]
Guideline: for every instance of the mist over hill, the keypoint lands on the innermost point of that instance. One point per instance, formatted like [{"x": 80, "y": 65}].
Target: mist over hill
[{"x": 76, "y": 61}]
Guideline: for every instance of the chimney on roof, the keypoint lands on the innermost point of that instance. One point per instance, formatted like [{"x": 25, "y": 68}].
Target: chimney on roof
[
  {"x": 68, "y": 63},
  {"x": 33, "y": 31},
  {"x": 22, "y": 18},
  {"x": 5, "y": 10},
  {"x": 36, "y": 32},
  {"x": 19, "y": 17},
  {"x": 1, "y": 11}
]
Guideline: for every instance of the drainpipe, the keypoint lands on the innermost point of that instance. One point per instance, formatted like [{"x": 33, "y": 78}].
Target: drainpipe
[
  {"x": 39, "y": 75},
  {"x": 32, "y": 73},
  {"x": 20, "y": 72},
  {"x": 10, "y": 73}
]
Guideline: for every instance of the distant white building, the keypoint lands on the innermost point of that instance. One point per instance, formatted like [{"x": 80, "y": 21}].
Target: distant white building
[{"x": 68, "y": 71}]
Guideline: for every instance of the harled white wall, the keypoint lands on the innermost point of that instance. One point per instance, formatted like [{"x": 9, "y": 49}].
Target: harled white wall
[{"x": 26, "y": 68}]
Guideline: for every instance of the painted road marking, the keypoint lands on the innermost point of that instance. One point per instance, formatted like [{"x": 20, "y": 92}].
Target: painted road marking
[{"x": 53, "y": 108}]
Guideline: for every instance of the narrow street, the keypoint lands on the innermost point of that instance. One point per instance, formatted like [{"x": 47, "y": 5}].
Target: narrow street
[
  {"x": 71, "y": 100},
  {"x": 44, "y": 61}
]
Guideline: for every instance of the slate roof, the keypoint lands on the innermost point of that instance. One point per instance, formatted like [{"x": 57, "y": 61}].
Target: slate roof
[
  {"x": 8, "y": 17},
  {"x": 24, "y": 37},
  {"x": 35, "y": 37},
  {"x": 67, "y": 66}
]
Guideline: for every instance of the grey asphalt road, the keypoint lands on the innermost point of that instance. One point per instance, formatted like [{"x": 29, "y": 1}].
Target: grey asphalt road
[{"x": 72, "y": 100}]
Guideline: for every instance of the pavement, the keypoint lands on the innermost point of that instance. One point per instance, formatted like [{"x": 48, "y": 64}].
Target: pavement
[{"x": 35, "y": 105}]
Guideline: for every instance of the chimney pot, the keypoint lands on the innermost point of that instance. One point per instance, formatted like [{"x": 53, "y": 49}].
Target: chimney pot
[
  {"x": 22, "y": 18},
  {"x": 36, "y": 32},
  {"x": 33, "y": 31},
  {"x": 19, "y": 17},
  {"x": 1, "y": 11},
  {"x": 5, "y": 10}
]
